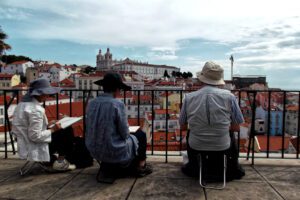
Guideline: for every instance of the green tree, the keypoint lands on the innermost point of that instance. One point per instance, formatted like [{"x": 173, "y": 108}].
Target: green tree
[
  {"x": 173, "y": 73},
  {"x": 178, "y": 74},
  {"x": 89, "y": 70},
  {"x": 12, "y": 58},
  {"x": 3, "y": 46},
  {"x": 189, "y": 74},
  {"x": 166, "y": 74},
  {"x": 184, "y": 75}
]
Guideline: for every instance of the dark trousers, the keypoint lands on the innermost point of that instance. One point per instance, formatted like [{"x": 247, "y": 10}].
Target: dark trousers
[
  {"x": 62, "y": 144},
  {"x": 142, "y": 138},
  {"x": 213, "y": 162},
  {"x": 119, "y": 170}
]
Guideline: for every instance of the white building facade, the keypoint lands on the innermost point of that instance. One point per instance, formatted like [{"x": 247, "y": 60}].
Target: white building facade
[{"x": 18, "y": 67}]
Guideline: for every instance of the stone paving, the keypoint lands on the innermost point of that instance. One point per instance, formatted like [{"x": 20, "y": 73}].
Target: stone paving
[{"x": 266, "y": 180}]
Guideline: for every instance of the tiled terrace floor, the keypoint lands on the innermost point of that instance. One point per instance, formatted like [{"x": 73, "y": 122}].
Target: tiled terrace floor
[{"x": 268, "y": 179}]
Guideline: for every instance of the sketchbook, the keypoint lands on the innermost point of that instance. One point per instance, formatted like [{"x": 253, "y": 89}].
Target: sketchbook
[
  {"x": 67, "y": 121},
  {"x": 133, "y": 129}
]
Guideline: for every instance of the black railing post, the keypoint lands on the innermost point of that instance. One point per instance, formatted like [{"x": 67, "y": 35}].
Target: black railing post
[
  {"x": 18, "y": 98},
  {"x": 269, "y": 123},
  {"x": 239, "y": 133},
  {"x": 139, "y": 102},
  {"x": 124, "y": 97},
  {"x": 70, "y": 105},
  {"x": 298, "y": 129},
  {"x": 167, "y": 115},
  {"x": 252, "y": 130},
  {"x": 15, "y": 94},
  {"x": 180, "y": 131},
  {"x": 57, "y": 107},
  {"x": 152, "y": 122},
  {"x": 5, "y": 123},
  {"x": 83, "y": 107},
  {"x": 283, "y": 124}
]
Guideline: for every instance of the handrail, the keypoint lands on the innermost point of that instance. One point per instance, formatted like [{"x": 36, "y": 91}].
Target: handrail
[{"x": 167, "y": 145}]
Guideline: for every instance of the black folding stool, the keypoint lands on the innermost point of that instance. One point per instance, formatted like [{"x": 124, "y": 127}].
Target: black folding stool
[{"x": 210, "y": 155}]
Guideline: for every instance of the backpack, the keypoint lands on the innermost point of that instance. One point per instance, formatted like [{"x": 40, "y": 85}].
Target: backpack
[{"x": 81, "y": 156}]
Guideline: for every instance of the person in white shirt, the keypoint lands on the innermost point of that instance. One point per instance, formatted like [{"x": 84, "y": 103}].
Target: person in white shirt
[
  {"x": 36, "y": 141},
  {"x": 210, "y": 113}
]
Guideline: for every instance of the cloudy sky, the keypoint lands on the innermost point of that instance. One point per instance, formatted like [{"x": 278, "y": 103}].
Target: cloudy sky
[{"x": 263, "y": 36}]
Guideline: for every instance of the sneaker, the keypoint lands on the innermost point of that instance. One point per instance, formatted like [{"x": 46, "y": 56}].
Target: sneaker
[
  {"x": 146, "y": 170},
  {"x": 63, "y": 165},
  {"x": 46, "y": 166}
]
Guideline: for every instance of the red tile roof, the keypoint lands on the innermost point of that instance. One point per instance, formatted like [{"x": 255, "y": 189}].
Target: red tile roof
[
  {"x": 294, "y": 142},
  {"x": 2, "y": 99},
  {"x": 167, "y": 83},
  {"x": 163, "y": 111},
  {"x": 6, "y": 75},
  {"x": 275, "y": 143},
  {"x": 292, "y": 108},
  {"x": 19, "y": 62},
  {"x": 64, "y": 109},
  {"x": 142, "y": 97},
  {"x": 21, "y": 85},
  {"x": 134, "y": 122},
  {"x": 128, "y": 96},
  {"x": 67, "y": 83}
]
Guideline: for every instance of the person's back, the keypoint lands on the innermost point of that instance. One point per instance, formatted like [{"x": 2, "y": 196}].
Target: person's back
[
  {"x": 27, "y": 138},
  {"x": 37, "y": 141},
  {"x": 209, "y": 118},
  {"x": 107, "y": 133},
  {"x": 210, "y": 113}
]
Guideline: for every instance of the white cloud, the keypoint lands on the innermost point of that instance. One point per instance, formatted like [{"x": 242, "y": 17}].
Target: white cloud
[
  {"x": 151, "y": 23},
  {"x": 13, "y": 13},
  {"x": 263, "y": 34},
  {"x": 162, "y": 53}
]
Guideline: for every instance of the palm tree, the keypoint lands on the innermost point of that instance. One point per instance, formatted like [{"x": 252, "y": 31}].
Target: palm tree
[{"x": 3, "y": 45}]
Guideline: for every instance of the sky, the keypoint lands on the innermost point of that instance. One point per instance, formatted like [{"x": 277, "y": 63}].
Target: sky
[{"x": 262, "y": 36}]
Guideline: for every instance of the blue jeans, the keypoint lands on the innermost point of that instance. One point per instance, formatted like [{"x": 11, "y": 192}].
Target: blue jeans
[{"x": 117, "y": 169}]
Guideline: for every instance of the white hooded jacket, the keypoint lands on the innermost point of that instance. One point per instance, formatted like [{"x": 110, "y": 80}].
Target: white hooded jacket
[{"x": 29, "y": 125}]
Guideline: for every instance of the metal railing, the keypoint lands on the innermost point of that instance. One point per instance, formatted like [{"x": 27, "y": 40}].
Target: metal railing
[{"x": 247, "y": 100}]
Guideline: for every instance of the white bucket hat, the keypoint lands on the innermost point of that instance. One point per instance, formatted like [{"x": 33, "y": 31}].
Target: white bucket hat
[{"x": 211, "y": 74}]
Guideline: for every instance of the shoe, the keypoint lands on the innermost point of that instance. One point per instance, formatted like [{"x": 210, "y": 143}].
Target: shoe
[
  {"x": 63, "y": 165},
  {"x": 144, "y": 171},
  {"x": 105, "y": 178},
  {"x": 47, "y": 167}
]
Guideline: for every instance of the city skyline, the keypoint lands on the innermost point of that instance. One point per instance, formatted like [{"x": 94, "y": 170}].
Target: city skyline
[{"x": 264, "y": 39}]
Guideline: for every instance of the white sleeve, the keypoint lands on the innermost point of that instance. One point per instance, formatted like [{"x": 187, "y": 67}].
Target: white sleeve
[{"x": 35, "y": 129}]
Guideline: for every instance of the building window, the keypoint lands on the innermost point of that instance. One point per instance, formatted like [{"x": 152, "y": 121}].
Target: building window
[{"x": 1, "y": 111}]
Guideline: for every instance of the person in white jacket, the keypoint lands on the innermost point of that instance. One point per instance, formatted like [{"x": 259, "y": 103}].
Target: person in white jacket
[{"x": 36, "y": 141}]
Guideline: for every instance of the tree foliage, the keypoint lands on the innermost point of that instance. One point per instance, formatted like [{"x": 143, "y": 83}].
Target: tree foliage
[
  {"x": 166, "y": 74},
  {"x": 178, "y": 74},
  {"x": 88, "y": 70},
  {"x": 184, "y": 75},
  {"x": 189, "y": 74},
  {"x": 12, "y": 58},
  {"x": 3, "y": 46},
  {"x": 173, "y": 74}
]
